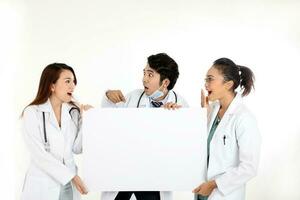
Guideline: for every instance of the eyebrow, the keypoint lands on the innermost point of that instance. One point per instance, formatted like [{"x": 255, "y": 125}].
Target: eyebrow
[{"x": 209, "y": 76}]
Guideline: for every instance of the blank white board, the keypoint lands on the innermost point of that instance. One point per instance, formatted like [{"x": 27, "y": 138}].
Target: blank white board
[{"x": 144, "y": 149}]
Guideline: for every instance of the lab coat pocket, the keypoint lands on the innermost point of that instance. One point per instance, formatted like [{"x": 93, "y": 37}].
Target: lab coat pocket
[
  {"x": 225, "y": 144},
  {"x": 225, "y": 139}
]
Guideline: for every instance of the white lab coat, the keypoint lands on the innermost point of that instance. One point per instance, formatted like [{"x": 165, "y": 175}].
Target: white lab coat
[
  {"x": 47, "y": 173},
  {"x": 234, "y": 163},
  {"x": 131, "y": 102}
]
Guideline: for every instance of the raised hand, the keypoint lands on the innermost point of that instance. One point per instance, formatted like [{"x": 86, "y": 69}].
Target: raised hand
[
  {"x": 115, "y": 96},
  {"x": 85, "y": 107},
  {"x": 204, "y": 99},
  {"x": 171, "y": 105}
]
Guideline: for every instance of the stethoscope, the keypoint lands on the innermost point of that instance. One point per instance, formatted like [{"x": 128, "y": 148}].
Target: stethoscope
[
  {"x": 138, "y": 104},
  {"x": 72, "y": 111}
]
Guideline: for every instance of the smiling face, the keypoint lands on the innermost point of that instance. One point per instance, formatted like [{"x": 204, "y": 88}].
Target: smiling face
[
  {"x": 151, "y": 81},
  {"x": 63, "y": 88},
  {"x": 215, "y": 85}
]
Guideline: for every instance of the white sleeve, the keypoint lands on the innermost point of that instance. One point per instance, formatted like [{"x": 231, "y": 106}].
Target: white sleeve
[
  {"x": 249, "y": 141},
  {"x": 44, "y": 160},
  {"x": 106, "y": 103}
]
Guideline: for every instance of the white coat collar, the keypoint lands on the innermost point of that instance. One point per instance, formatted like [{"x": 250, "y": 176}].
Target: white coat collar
[
  {"x": 45, "y": 107},
  {"x": 65, "y": 116},
  {"x": 145, "y": 101},
  {"x": 237, "y": 100}
]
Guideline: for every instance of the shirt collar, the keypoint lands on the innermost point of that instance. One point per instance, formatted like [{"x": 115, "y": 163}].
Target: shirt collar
[{"x": 146, "y": 101}]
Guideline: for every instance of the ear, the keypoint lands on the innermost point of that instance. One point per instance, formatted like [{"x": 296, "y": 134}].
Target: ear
[
  {"x": 52, "y": 87},
  {"x": 229, "y": 85},
  {"x": 166, "y": 82}
]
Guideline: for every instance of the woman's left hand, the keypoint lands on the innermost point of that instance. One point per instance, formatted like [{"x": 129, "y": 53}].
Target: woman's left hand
[
  {"x": 171, "y": 105},
  {"x": 205, "y": 189}
]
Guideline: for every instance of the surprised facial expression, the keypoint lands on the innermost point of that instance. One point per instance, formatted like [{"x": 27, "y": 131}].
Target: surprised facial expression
[
  {"x": 214, "y": 84},
  {"x": 151, "y": 80},
  {"x": 64, "y": 86}
]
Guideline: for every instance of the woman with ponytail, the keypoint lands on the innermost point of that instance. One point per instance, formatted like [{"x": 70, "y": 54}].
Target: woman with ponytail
[{"x": 233, "y": 143}]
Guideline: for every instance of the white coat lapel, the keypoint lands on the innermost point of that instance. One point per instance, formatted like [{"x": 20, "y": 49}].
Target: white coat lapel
[
  {"x": 228, "y": 114},
  {"x": 49, "y": 113},
  {"x": 53, "y": 120},
  {"x": 213, "y": 114},
  {"x": 65, "y": 115}
]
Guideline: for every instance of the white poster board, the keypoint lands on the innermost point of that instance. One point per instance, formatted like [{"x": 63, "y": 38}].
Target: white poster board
[{"x": 144, "y": 149}]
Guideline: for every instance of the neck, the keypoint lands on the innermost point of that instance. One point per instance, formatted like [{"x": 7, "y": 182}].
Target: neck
[
  {"x": 55, "y": 103},
  {"x": 225, "y": 101}
]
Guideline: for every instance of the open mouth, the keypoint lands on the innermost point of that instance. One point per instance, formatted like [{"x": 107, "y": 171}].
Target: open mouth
[
  {"x": 146, "y": 88},
  {"x": 69, "y": 93},
  {"x": 209, "y": 92}
]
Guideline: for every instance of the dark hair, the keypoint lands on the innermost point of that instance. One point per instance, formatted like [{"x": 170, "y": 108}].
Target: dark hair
[
  {"x": 166, "y": 67},
  {"x": 240, "y": 75},
  {"x": 49, "y": 76}
]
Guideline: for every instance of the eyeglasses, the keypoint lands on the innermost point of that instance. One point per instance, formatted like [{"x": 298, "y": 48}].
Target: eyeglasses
[{"x": 211, "y": 79}]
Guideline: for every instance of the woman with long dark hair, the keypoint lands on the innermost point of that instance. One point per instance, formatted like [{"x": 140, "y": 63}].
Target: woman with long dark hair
[
  {"x": 51, "y": 129},
  {"x": 233, "y": 143}
]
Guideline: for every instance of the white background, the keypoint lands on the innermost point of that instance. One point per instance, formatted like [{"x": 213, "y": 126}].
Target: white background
[{"x": 107, "y": 43}]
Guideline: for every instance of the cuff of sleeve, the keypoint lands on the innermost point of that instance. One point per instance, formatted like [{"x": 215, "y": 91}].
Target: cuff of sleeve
[
  {"x": 220, "y": 186},
  {"x": 105, "y": 98},
  {"x": 67, "y": 178}
]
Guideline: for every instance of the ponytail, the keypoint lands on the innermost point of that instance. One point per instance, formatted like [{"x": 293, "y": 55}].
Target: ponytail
[{"x": 246, "y": 80}]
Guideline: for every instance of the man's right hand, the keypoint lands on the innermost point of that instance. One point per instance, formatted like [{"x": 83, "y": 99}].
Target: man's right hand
[{"x": 115, "y": 96}]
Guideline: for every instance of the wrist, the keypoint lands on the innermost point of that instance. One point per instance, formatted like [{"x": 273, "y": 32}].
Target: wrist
[
  {"x": 212, "y": 184},
  {"x": 74, "y": 178}
]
